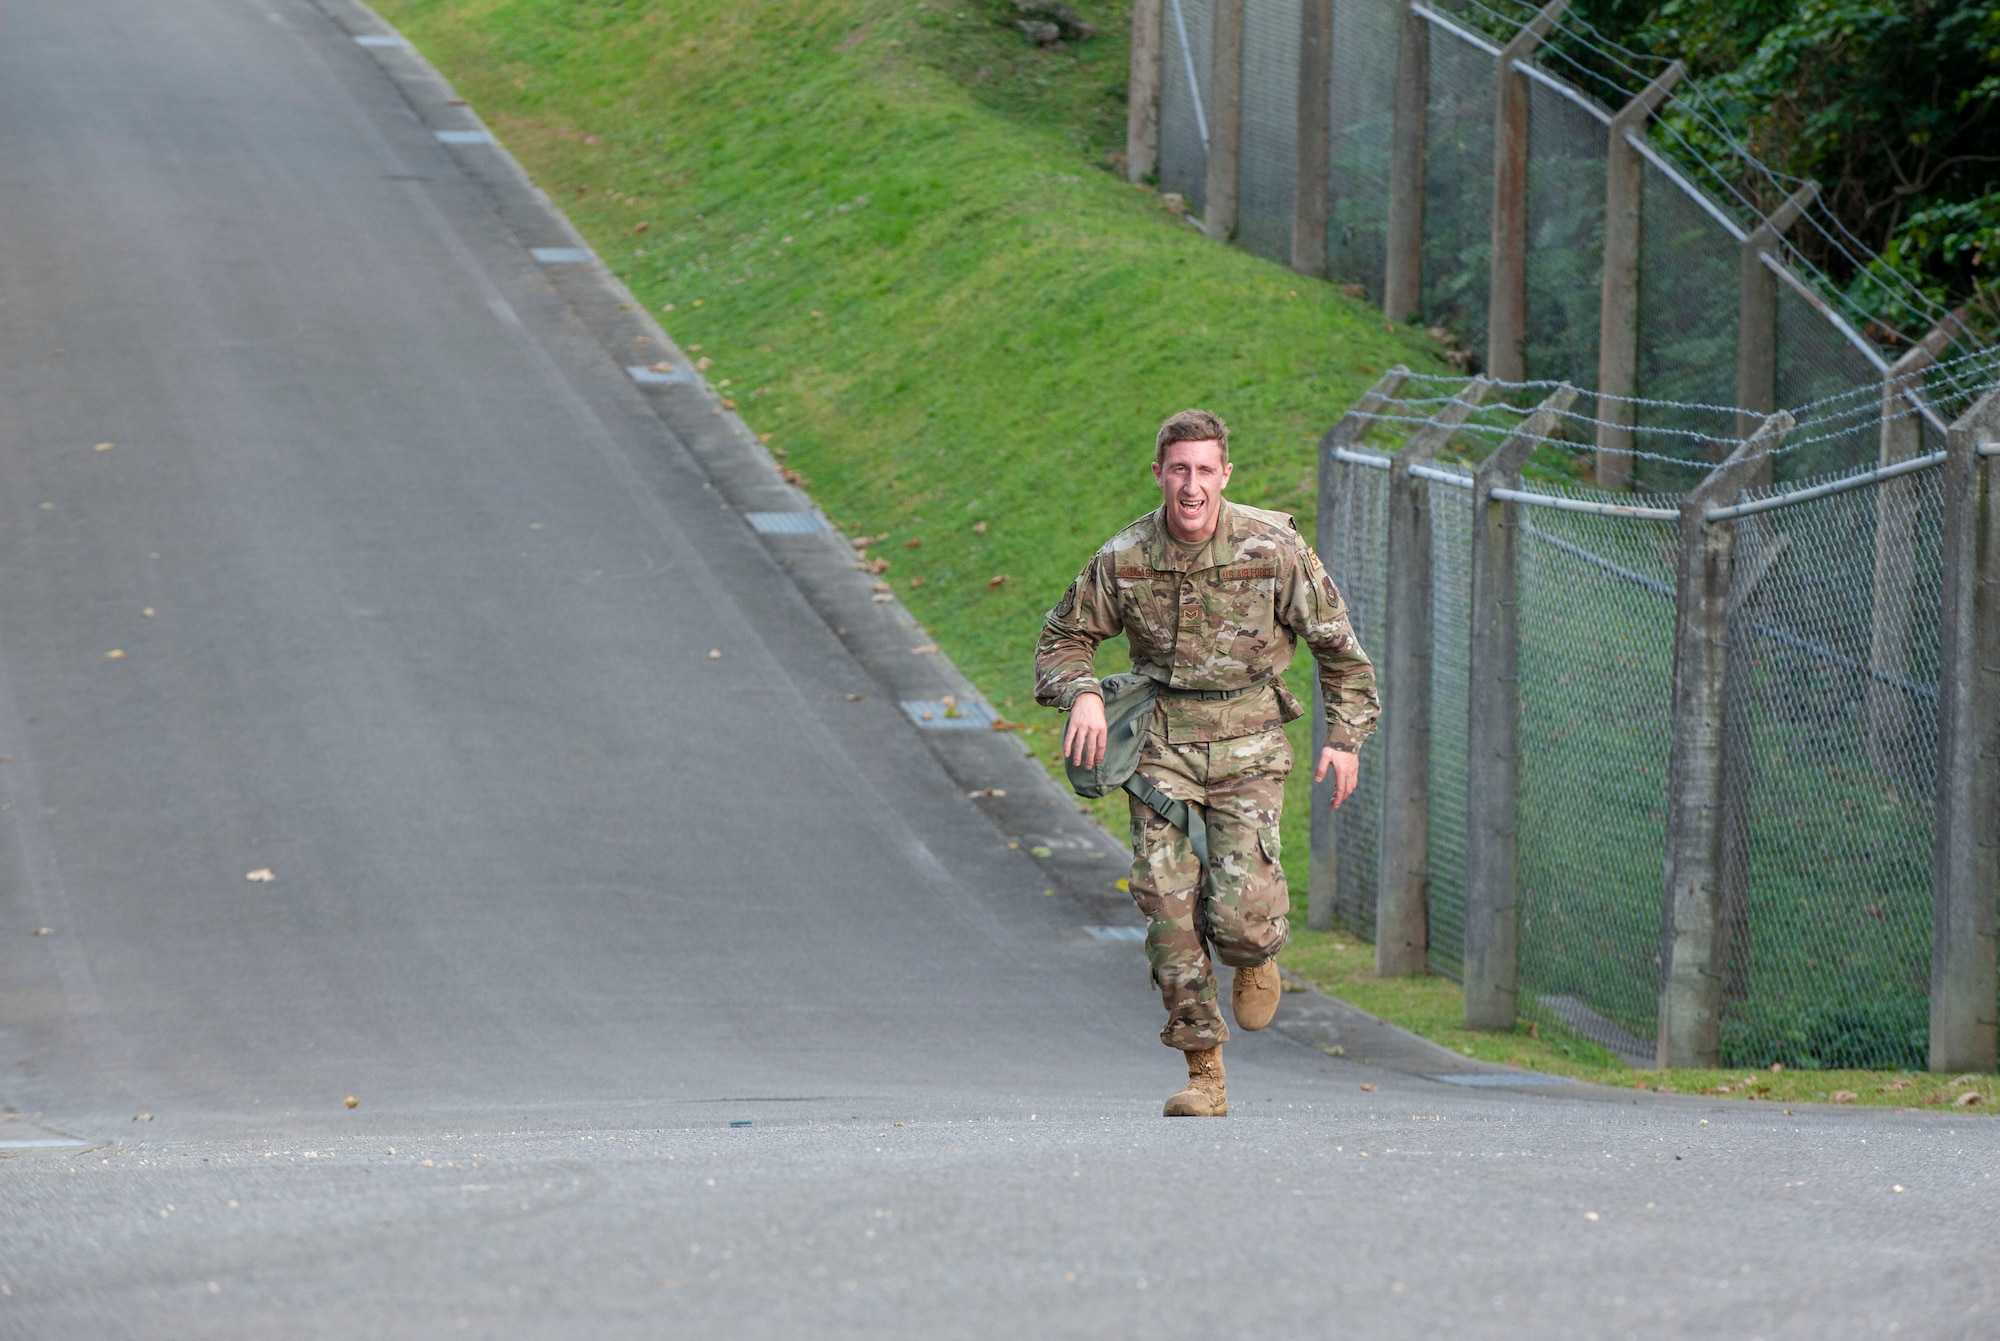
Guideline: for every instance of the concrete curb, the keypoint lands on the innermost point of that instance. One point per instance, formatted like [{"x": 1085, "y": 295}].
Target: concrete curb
[{"x": 1032, "y": 809}]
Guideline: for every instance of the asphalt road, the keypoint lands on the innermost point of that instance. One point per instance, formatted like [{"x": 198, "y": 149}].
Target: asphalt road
[{"x": 682, "y": 994}]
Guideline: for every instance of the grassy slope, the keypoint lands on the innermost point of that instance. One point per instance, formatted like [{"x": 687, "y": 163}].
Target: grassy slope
[{"x": 893, "y": 230}]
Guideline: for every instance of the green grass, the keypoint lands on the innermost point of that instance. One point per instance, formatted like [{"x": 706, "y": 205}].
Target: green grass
[
  {"x": 1433, "y": 1007},
  {"x": 896, "y": 234}
]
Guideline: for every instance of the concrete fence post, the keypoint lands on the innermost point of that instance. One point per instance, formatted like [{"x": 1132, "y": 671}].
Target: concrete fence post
[
  {"x": 1618, "y": 310},
  {"x": 1507, "y": 310},
  {"x": 1225, "y": 120},
  {"x": 1403, "y": 269},
  {"x": 1694, "y": 943},
  {"x": 1142, "y": 91},
  {"x": 1323, "y": 870},
  {"x": 1492, "y": 756},
  {"x": 1402, "y": 899},
  {"x": 1757, "y": 320},
  {"x": 1896, "y": 545},
  {"x": 1965, "y": 865},
  {"x": 1315, "y": 142}
]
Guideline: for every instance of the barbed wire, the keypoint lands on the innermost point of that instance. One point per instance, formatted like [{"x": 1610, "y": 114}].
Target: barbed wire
[
  {"x": 1693, "y": 101},
  {"x": 1826, "y": 419}
]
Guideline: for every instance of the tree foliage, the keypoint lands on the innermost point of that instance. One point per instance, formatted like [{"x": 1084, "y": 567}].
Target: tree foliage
[{"x": 1892, "y": 106}]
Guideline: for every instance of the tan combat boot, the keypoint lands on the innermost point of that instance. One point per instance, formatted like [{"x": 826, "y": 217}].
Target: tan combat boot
[
  {"x": 1253, "y": 996},
  {"x": 1204, "y": 1095}
]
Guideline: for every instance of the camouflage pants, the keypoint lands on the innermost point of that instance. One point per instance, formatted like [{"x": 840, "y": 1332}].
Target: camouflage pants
[{"x": 1240, "y": 784}]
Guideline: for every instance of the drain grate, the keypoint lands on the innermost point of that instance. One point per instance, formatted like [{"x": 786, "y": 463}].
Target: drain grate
[
  {"x": 937, "y": 715},
  {"x": 684, "y": 375},
  {"x": 786, "y": 523}
]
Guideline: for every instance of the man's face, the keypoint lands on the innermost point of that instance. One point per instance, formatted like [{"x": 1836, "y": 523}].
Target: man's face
[{"x": 1192, "y": 476}]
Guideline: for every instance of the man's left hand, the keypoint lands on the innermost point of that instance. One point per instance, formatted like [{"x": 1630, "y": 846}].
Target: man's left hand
[{"x": 1346, "y": 766}]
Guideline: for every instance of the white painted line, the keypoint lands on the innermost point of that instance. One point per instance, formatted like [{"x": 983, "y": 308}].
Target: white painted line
[
  {"x": 378, "y": 40},
  {"x": 786, "y": 523},
  {"x": 1490, "y": 1079},
  {"x": 559, "y": 255},
  {"x": 43, "y": 1143},
  {"x": 684, "y": 375},
  {"x": 464, "y": 137},
  {"x": 1117, "y": 933},
  {"x": 937, "y": 715}
]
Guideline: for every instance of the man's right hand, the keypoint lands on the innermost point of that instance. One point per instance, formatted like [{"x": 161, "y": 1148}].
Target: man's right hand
[{"x": 1084, "y": 738}]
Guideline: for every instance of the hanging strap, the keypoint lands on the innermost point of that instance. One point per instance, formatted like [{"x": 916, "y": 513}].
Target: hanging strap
[{"x": 1183, "y": 816}]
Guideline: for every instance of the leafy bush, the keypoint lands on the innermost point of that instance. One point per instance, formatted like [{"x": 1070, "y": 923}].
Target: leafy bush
[{"x": 1892, "y": 1033}]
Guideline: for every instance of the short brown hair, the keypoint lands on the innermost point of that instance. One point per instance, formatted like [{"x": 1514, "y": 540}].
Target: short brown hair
[{"x": 1192, "y": 426}]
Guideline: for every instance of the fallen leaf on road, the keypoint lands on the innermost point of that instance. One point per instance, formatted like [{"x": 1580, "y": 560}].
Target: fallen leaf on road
[
  {"x": 856, "y": 698},
  {"x": 864, "y": 541},
  {"x": 701, "y": 364},
  {"x": 1124, "y": 886},
  {"x": 877, "y": 565},
  {"x": 142, "y": 1117},
  {"x": 1895, "y": 1187},
  {"x": 728, "y": 404},
  {"x": 147, "y": 612},
  {"x": 925, "y": 650},
  {"x": 352, "y": 1102},
  {"x": 45, "y": 931},
  {"x": 882, "y": 598},
  {"x": 881, "y": 586},
  {"x": 1366, "y": 1086},
  {"x": 1843, "y": 1096},
  {"x": 106, "y": 446},
  {"x": 715, "y": 654},
  {"x": 979, "y": 792},
  {"x": 661, "y": 366},
  {"x": 115, "y": 654},
  {"x": 1042, "y": 851},
  {"x": 1000, "y": 725},
  {"x": 263, "y": 875},
  {"x": 1333, "y": 1049}
]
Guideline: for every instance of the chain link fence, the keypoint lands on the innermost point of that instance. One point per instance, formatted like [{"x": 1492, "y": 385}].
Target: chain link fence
[
  {"x": 1832, "y": 730},
  {"x": 1829, "y": 739}
]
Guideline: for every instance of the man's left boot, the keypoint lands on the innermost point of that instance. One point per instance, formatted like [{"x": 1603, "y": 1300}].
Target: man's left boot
[{"x": 1253, "y": 996}]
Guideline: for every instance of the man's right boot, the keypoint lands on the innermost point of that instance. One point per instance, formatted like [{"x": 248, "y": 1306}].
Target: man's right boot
[{"x": 1204, "y": 1095}]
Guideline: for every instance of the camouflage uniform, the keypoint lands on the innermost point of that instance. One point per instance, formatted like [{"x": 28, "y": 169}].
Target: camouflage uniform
[{"x": 1221, "y": 617}]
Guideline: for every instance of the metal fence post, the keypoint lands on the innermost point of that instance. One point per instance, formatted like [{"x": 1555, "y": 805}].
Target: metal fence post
[
  {"x": 1618, "y": 313},
  {"x": 1965, "y": 869},
  {"x": 1492, "y": 728},
  {"x": 1314, "y": 138},
  {"x": 1142, "y": 96},
  {"x": 1693, "y": 944},
  {"x": 1507, "y": 311},
  {"x": 1323, "y": 870},
  {"x": 1225, "y": 120},
  {"x": 1403, "y": 269},
  {"x": 1402, "y": 912},
  {"x": 1757, "y": 318},
  {"x": 1895, "y": 545}
]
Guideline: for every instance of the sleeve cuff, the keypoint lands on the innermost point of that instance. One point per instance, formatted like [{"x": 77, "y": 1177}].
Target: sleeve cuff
[
  {"x": 1087, "y": 685},
  {"x": 1341, "y": 736}
]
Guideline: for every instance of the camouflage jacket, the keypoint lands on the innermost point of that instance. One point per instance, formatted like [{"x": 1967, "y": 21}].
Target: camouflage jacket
[{"x": 1222, "y": 617}]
